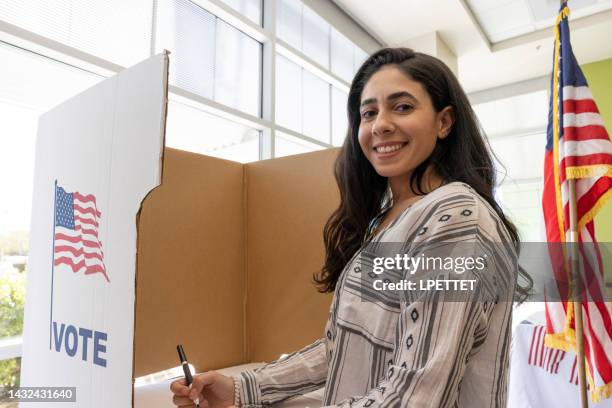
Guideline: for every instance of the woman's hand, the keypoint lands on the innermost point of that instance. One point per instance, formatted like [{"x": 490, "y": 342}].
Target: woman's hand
[{"x": 214, "y": 390}]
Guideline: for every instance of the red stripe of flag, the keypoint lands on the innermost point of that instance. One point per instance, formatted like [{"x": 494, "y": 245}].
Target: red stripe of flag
[
  {"x": 549, "y": 200},
  {"x": 559, "y": 361},
  {"x": 86, "y": 231},
  {"x": 89, "y": 269},
  {"x": 584, "y": 132},
  {"x": 579, "y": 106},
  {"x": 551, "y": 355},
  {"x": 541, "y": 352},
  {"x": 78, "y": 252},
  {"x": 585, "y": 201},
  {"x": 553, "y": 361},
  {"x": 603, "y": 364},
  {"x": 533, "y": 337},
  {"x": 86, "y": 221},
  {"x": 76, "y": 267},
  {"x": 76, "y": 240},
  {"x": 547, "y": 354},
  {"x": 537, "y": 349},
  {"x": 84, "y": 198},
  {"x": 87, "y": 210}
]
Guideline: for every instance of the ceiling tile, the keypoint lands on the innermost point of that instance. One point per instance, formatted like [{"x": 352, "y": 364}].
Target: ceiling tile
[{"x": 498, "y": 26}]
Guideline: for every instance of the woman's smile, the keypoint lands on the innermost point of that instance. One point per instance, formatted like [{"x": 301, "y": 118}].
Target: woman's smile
[{"x": 389, "y": 149}]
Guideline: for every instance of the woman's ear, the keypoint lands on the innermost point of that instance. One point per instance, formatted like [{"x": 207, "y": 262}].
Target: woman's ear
[{"x": 446, "y": 118}]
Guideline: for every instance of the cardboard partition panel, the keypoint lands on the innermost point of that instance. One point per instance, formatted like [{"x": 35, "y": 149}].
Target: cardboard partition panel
[
  {"x": 289, "y": 200},
  {"x": 226, "y": 254},
  {"x": 190, "y": 277}
]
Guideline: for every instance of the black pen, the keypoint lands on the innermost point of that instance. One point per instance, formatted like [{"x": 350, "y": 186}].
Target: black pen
[{"x": 186, "y": 369}]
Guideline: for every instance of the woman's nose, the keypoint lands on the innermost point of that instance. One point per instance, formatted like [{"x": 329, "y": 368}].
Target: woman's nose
[{"x": 382, "y": 125}]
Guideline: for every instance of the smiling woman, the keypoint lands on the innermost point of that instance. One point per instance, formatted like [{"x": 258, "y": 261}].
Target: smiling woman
[
  {"x": 414, "y": 170},
  {"x": 399, "y": 128}
]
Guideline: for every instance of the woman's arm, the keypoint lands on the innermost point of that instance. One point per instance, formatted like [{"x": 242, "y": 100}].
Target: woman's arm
[{"x": 300, "y": 372}]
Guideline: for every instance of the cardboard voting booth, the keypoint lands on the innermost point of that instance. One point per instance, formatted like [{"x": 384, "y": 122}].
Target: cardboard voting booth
[{"x": 136, "y": 248}]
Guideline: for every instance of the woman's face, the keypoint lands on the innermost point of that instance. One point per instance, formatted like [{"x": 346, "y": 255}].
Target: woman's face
[{"x": 399, "y": 125}]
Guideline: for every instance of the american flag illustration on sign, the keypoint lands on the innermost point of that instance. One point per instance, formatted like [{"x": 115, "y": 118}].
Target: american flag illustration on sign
[{"x": 76, "y": 239}]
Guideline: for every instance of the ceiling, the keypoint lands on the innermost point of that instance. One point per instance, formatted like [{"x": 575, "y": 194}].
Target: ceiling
[{"x": 497, "y": 42}]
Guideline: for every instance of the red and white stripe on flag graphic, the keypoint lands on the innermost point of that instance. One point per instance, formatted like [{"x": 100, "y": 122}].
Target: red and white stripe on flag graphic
[{"x": 77, "y": 243}]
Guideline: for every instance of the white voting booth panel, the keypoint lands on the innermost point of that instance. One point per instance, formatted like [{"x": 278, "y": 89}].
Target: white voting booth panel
[{"x": 97, "y": 156}]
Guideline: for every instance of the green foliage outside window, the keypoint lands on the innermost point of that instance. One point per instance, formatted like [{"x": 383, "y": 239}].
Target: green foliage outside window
[{"x": 12, "y": 301}]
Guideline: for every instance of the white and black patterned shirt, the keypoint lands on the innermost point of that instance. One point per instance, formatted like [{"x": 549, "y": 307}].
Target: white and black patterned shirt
[{"x": 424, "y": 352}]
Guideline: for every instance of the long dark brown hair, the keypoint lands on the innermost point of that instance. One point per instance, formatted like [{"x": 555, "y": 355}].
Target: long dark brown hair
[{"x": 363, "y": 191}]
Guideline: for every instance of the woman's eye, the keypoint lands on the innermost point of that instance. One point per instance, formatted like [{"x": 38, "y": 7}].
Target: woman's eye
[
  {"x": 368, "y": 114},
  {"x": 404, "y": 107}
]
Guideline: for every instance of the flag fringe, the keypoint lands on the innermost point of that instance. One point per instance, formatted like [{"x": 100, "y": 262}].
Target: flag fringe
[
  {"x": 601, "y": 393},
  {"x": 557, "y": 341},
  {"x": 595, "y": 170},
  {"x": 566, "y": 341}
]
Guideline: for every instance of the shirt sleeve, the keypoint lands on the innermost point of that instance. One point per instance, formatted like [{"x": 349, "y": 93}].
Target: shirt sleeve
[
  {"x": 298, "y": 373},
  {"x": 438, "y": 332}
]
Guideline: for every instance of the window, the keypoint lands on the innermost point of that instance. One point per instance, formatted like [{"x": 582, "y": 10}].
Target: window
[
  {"x": 286, "y": 145},
  {"x": 309, "y": 33},
  {"x": 116, "y": 30},
  {"x": 188, "y": 32},
  {"x": 289, "y": 22},
  {"x": 514, "y": 115},
  {"x": 315, "y": 107},
  {"x": 346, "y": 57},
  {"x": 315, "y": 37},
  {"x": 521, "y": 203},
  {"x": 237, "y": 84},
  {"x": 288, "y": 94},
  {"x": 302, "y": 100},
  {"x": 207, "y": 55},
  {"x": 342, "y": 63},
  {"x": 251, "y": 9},
  {"x": 520, "y": 192},
  {"x": 191, "y": 129},
  {"x": 339, "y": 116},
  {"x": 513, "y": 152},
  {"x": 306, "y": 102},
  {"x": 516, "y": 127}
]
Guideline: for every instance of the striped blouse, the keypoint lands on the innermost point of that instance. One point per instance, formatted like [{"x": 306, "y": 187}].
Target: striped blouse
[{"x": 423, "y": 352}]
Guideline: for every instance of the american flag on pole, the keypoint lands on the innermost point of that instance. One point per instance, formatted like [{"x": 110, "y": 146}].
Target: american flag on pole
[
  {"x": 578, "y": 147},
  {"x": 76, "y": 242}
]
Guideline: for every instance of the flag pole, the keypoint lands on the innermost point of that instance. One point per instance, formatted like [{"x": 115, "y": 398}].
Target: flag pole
[
  {"x": 576, "y": 286},
  {"x": 577, "y": 292}
]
